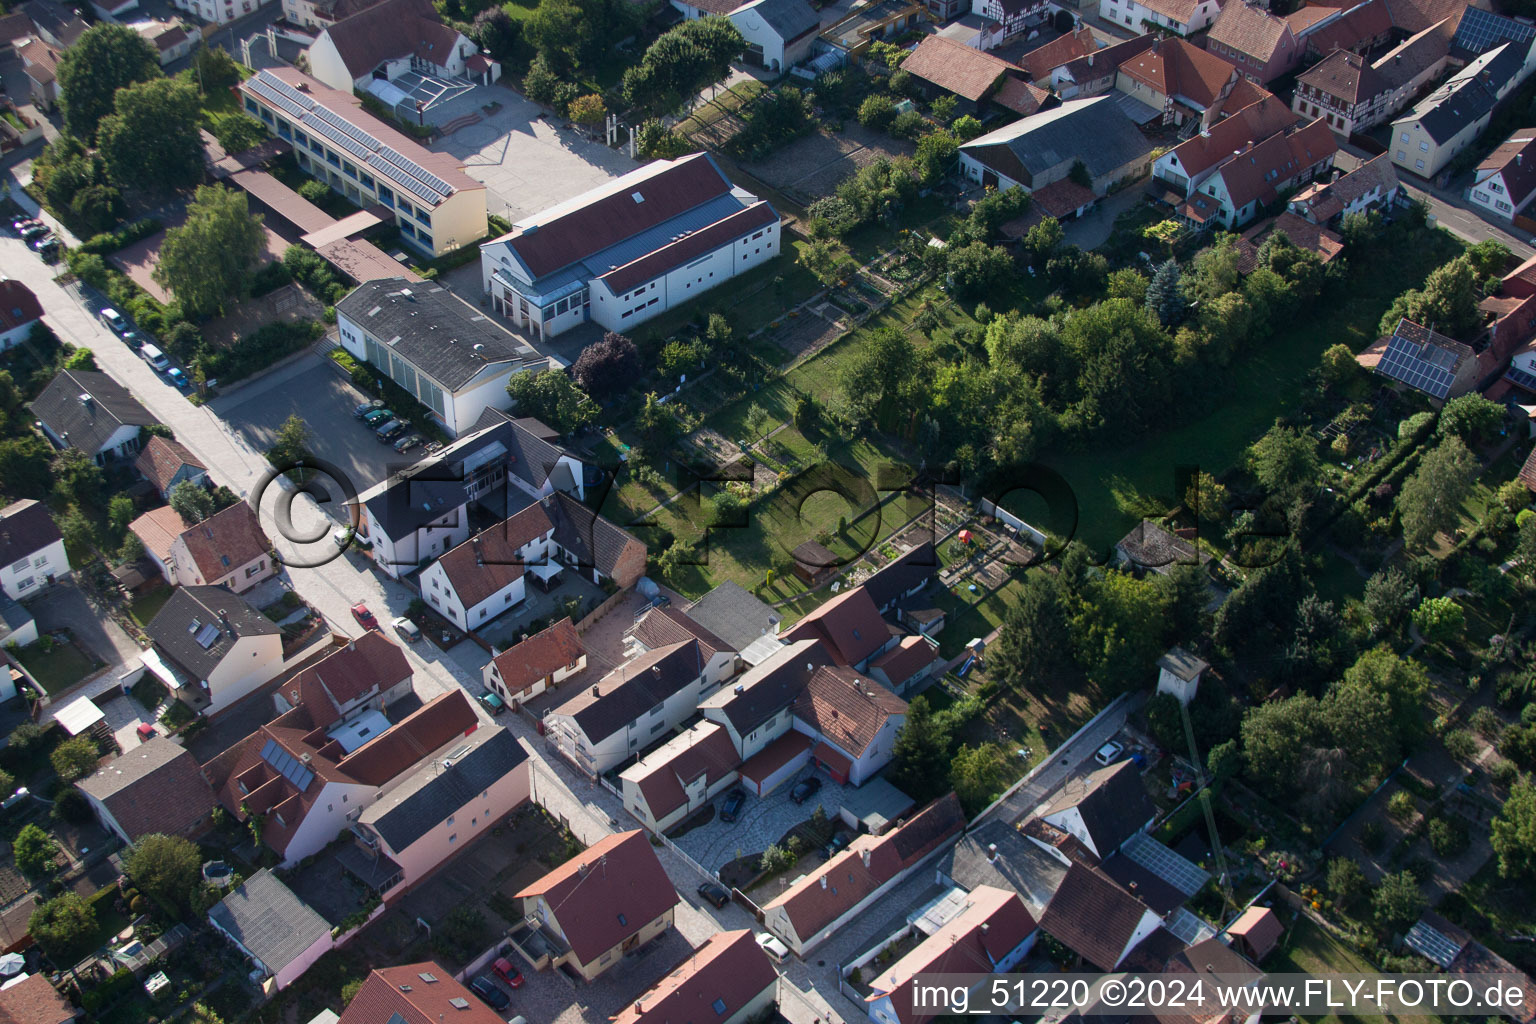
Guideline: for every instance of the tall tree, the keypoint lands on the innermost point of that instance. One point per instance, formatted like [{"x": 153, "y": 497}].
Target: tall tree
[
  {"x": 1284, "y": 461},
  {"x": 1513, "y": 832},
  {"x": 1165, "y": 294},
  {"x": 1389, "y": 595},
  {"x": 920, "y": 758},
  {"x": 608, "y": 366},
  {"x": 191, "y": 502},
  {"x": 1033, "y": 642},
  {"x": 34, "y": 851},
  {"x": 683, "y": 60},
  {"x": 168, "y": 869},
  {"x": 1277, "y": 736},
  {"x": 65, "y": 927},
  {"x": 1431, "y": 498},
  {"x": 552, "y": 397},
  {"x": 104, "y": 59},
  {"x": 206, "y": 260},
  {"x": 881, "y": 375},
  {"x": 150, "y": 140},
  {"x": 1471, "y": 417},
  {"x": 291, "y": 446}
]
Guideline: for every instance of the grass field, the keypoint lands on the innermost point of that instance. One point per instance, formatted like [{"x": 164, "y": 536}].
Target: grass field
[
  {"x": 60, "y": 668},
  {"x": 1308, "y": 949}
]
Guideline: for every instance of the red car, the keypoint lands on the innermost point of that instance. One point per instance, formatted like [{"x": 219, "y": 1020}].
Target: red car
[
  {"x": 508, "y": 973},
  {"x": 364, "y": 617}
]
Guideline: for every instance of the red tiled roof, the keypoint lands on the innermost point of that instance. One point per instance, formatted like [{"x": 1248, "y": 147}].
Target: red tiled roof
[
  {"x": 1042, "y": 60},
  {"x": 1180, "y": 11},
  {"x": 1174, "y": 67},
  {"x": 1249, "y": 29},
  {"x": 1255, "y": 174},
  {"x": 489, "y": 561},
  {"x": 155, "y": 787},
  {"x": 432, "y": 726},
  {"x": 780, "y": 752},
  {"x": 850, "y": 625},
  {"x": 668, "y": 191},
  {"x": 389, "y": 31},
  {"x": 34, "y": 1001},
  {"x": 1417, "y": 15},
  {"x": 1021, "y": 97},
  {"x": 1260, "y": 927},
  {"x": 869, "y": 862},
  {"x": 1345, "y": 75},
  {"x": 607, "y": 893},
  {"x": 1093, "y": 916},
  {"x": 993, "y": 924},
  {"x": 955, "y": 67},
  {"x": 846, "y": 708},
  {"x": 541, "y": 655},
  {"x": 659, "y": 627},
  {"x": 705, "y": 751},
  {"x": 730, "y": 968},
  {"x": 906, "y": 659},
  {"x": 18, "y": 306},
  {"x": 41, "y": 61},
  {"x": 1361, "y": 25},
  {"x": 674, "y": 254},
  {"x": 226, "y": 540},
  {"x": 1252, "y": 124},
  {"x": 162, "y": 458},
  {"x": 406, "y": 992},
  {"x": 1061, "y": 199},
  {"x": 158, "y": 529},
  {"x": 356, "y": 668},
  {"x": 1527, "y": 474},
  {"x": 1312, "y": 237},
  {"x": 1245, "y": 94}
]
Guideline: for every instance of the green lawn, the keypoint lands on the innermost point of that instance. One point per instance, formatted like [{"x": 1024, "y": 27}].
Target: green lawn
[
  {"x": 148, "y": 605},
  {"x": 1308, "y": 949},
  {"x": 58, "y": 669}
]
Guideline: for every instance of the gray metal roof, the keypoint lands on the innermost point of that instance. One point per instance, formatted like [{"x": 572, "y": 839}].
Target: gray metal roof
[
  {"x": 1095, "y": 131},
  {"x": 1017, "y": 864},
  {"x": 265, "y": 917},
  {"x": 735, "y": 615},
  {"x": 434, "y": 330},
  {"x": 198, "y": 626},
  {"x": 440, "y": 788},
  {"x": 789, "y": 19},
  {"x": 1469, "y": 94}
]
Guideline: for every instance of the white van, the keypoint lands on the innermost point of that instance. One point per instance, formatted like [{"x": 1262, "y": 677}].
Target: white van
[{"x": 154, "y": 357}]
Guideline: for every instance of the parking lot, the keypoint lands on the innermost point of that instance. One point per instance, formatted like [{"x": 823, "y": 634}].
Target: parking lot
[
  {"x": 761, "y": 823},
  {"x": 527, "y": 164},
  {"x": 312, "y": 389}
]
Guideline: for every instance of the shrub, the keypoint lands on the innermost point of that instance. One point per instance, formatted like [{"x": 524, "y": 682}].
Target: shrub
[
  {"x": 111, "y": 241},
  {"x": 1461, "y": 744},
  {"x": 1401, "y": 805},
  {"x": 1447, "y": 837},
  {"x": 314, "y": 191},
  {"x": 72, "y": 806}
]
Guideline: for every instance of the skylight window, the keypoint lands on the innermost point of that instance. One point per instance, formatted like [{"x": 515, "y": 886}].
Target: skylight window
[
  {"x": 719, "y": 1007},
  {"x": 623, "y": 920},
  {"x": 637, "y": 197}
]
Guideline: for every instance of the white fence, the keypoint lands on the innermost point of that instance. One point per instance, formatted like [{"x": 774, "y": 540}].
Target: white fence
[{"x": 1002, "y": 515}]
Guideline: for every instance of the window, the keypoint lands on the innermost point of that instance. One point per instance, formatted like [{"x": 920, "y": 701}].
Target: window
[
  {"x": 367, "y": 180},
  {"x": 38, "y": 563},
  {"x": 386, "y": 196},
  {"x": 253, "y": 570},
  {"x": 719, "y": 1007},
  {"x": 424, "y": 238},
  {"x": 450, "y": 820},
  {"x": 24, "y": 584},
  {"x": 1419, "y": 164},
  {"x": 1494, "y": 186},
  {"x": 348, "y": 169},
  {"x": 1502, "y": 205},
  {"x": 453, "y": 839},
  {"x": 1481, "y": 197},
  {"x": 22, "y": 564},
  {"x": 1423, "y": 147},
  {"x": 1401, "y": 155}
]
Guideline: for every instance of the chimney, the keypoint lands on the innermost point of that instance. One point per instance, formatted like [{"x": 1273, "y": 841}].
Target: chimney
[
  {"x": 823, "y": 881},
  {"x": 639, "y": 1006},
  {"x": 582, "y": 869},
  {"x": 595, "y": 691},
  {"x": 991, "y": 853},
  {"x": 865, "y": 854},
  {"x": 1090, "y": 60}
]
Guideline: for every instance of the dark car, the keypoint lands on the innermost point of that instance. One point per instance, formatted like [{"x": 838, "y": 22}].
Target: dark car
[
  {"x": 732, "y": 805},
  {"x": 715, "y": 893},
  {"x": 803, "y": 791},
  {"x": 37, "y": 242},
  {"x": 52, "y": 250},
  {"x": 367, "y": 407},
  {"x": 34, "y": 231},
  {"x": 391, "y": 430},
  {"x": 839, "y": 841},
  {"x": 377, "y": 417},
  {"x": 489, "y": 994}
]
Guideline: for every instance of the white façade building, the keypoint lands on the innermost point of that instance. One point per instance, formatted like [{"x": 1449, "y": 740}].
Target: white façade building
[
  {"x": 453, "y": 358},
  {"x": 628, "y": 250}
]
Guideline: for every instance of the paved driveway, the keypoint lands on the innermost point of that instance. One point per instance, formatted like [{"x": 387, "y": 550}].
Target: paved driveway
[
  {"x": 310, "y": 388},
  {"x": 526, "y": 164},
  {"x": 762, "y": 822},
  {"x": 66, "y": 606}
]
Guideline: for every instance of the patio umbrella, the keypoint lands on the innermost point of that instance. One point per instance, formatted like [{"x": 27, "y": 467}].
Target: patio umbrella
[{"x": 12, "y": 964}]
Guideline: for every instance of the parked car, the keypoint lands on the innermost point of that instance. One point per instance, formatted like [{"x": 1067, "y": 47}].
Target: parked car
[
  {"x": 38, "y": 242},
  {"x": 507, "y": 972},
  {"x": 34, "y": 231},
  {"x": 407, "y": 630},
  {"x": 805, "y": 789},
  {"x": 146, "y": 732},
  {"x": 773, "y": 947},
  {"x": 391, "y": 430},
  {"x": 715, "y": 893},
  {"x": 115, "y": 321},
  {"x": 364, "y": 617},
  {"x": 367, "y": 407},
  {"x": 52, "y": 250},
  {"x": 407, "y": 442},
  {"x": 134, "y": 340},
  {"x": 489, "y": 994},
  {"x": 839, "y": 841},
  {"x": 152, "y": 355},
  {"x": 1109, "y": 753},
  {"x": 21, "y": 224},
  {"x": 178, "y": 378},
  {"x": 731, "y": 807},
  {"x": 377, "y": 416}
]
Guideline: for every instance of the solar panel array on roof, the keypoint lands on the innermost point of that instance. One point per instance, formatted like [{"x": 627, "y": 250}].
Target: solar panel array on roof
[
  {"x": 290, "y": 767},
  {"x": 1427, "y": 368},
  {"x": 389, "y": 162},
  {"x": 1172, "y": 868},
  {"x": 1480, "y": 31}
]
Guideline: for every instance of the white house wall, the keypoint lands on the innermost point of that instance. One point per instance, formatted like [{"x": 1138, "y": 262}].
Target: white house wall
[
  {"x": 250, "y": 662},
  {"x": 328, "y": 817},
  {"x": 467, "y": 823},
  {"x": 26, "y": 576}
]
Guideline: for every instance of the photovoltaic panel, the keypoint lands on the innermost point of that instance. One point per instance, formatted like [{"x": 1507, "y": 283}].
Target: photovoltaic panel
[
  {"x": 1480, "y": 31},
  {"x": 1520, "y": 378},
  {"x": 1425, "y": 367},
  {"x": 286, "y": 765},
  {"x": 414, "y": 169}
]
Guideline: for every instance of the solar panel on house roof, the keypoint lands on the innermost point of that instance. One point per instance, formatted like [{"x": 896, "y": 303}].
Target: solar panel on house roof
[
  {"x": 1520, "y": 378},
  {"x": 1427, "y": 368},
  {"x": 1480, "y": 31},
  {"x": 288, "y": 766},
  {"x": 1172, "y": 868}
]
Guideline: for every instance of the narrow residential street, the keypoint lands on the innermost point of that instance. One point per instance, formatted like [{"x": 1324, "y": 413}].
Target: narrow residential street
[{"x": 343, "y": 580}]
